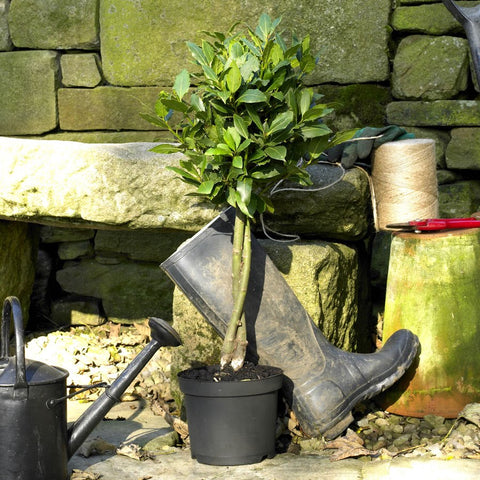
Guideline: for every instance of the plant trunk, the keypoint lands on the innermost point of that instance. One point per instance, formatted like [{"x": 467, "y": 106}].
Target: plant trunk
[{"x": 235, "y": 343}]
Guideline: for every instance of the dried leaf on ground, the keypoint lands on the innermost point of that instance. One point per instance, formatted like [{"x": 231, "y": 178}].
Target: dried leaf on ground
[
  {"x": 134, "y": 451},
  {"x": 352, "y": 445},
  {"x": 82, "y": 475},
  {"x": 96, "y": 446},
  {"x": 471, "y": 413},
  {"x": 181, "y": 427}
]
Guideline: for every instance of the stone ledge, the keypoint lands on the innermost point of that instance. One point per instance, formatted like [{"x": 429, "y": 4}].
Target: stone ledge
[{"x": 126, "y": 186}]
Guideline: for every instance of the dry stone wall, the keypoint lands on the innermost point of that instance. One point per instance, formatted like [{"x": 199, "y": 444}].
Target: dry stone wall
[{"x": 84, "y": 70}]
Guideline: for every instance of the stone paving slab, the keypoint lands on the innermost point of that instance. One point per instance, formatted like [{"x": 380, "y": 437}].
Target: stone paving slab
[{"x": 140, "y": 426}]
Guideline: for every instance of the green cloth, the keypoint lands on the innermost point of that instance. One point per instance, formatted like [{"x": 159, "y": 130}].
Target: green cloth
[{"x": 348, "y": 153}]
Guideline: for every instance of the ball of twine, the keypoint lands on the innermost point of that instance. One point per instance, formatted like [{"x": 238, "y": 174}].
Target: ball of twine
[{"x": 404, "y": 181}]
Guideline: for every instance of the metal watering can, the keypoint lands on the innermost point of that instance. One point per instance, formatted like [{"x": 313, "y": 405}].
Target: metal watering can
[{"x": 35, "y": 443}]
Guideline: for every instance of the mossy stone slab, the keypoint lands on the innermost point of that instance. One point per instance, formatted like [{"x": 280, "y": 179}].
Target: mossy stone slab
[
  {"x": 463, "y": 151},
  {"x": 28, "y": 100},
  {"x": 143, "y": 42},
  {"x": 54, "y": 24}
]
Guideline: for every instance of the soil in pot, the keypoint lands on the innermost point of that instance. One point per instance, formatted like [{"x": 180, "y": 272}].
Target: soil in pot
[{"x": 231, "y": 415}]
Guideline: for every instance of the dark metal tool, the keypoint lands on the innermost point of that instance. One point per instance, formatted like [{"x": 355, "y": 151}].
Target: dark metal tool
[
  {"x": 433, "y": 224},
  {"x": 469, "y": 18}
]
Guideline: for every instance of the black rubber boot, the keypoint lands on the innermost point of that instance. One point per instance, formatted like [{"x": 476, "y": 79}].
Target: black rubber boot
[{"x": 323, "y": 383}]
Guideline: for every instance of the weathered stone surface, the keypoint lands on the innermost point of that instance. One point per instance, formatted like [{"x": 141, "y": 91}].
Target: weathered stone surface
[
  {"x": 324, "y": 276},
  {"x": 110, "y": 137},
  {"x": 430, "y": 68},
  {"x": 127, "y": 186},
  {"x": 17, "y": 263},
  {"x": 5, "y": 40},
  {"x": 143, "y": 245},
  {"x": 441, "y": 141},
  {"x": 310, "y": 211},
  {"x": 28, "y": 99},
  {"x": 431, "y": 19},
  {"x": 129, "y": 292},
  {"x": 70, "y": 183},
  {"x": 59, "y": 24},
  {"x": 76, "y": 312},
  {"x": 445, "y": 113},
  {"x": 73, "y": 250},
  {"x": 357, "y": 105},
  {"x": 56, "y": 235},
  {"x": 459, "y": 199},
  {"x": 80, "y": 70},
  {"x": 463, "y": 151},
  {"x": 140, "y": 47},
  {"x": 105, "y": 108}
]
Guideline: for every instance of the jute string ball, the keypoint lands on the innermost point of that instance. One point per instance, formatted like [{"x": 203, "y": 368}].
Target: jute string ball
[{"x": 404, "y": 182}]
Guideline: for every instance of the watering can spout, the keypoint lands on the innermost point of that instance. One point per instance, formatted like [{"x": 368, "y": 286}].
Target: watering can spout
[{"x": 162, "y": 335}]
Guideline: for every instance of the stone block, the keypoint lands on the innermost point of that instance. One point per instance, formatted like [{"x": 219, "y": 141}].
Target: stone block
[
  {"x": 109, "y": 185},
  {"x": 74, "y": 311},
  {"x": 430, "y": 68},
  {"x": 432, "y": 19},
  {"x": 5, "y": 40},
  {"x": 130, "y": 292},
  {"x": 111, "y": 136},
  {"x": 58, "y": 235},
  {"x": 126, "y": 186},
  {"x": 142, "y": 245},
  {"x": 357, "y": 105},
  {"x": 463, "y": 151},
  {"x": 105, "y": 108},
  {"x": 54, "y": 24},
  {"x": 17, "y": 263},
  {"x": 143, "y": 43},
  {"x": 74, "y": 250},
  {"x": 341, "y": 211},
  {"x": 80, "y": 70},
  {"x": 439, "y": 113},
  {"x": 28, "y": 99},
  {"x": 459, "y": 199}
]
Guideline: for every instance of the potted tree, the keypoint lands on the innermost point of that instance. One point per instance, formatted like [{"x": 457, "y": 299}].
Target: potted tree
[{"x": 244, "y": 121}]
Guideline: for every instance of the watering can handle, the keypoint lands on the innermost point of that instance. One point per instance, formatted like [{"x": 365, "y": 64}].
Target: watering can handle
[{"x": 13, "y": 310}]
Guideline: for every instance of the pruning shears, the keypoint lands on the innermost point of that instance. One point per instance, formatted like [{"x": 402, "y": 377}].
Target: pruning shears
[{"x": 434, "y": 224}]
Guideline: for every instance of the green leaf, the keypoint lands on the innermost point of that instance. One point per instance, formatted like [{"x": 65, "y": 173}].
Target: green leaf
[
  {"x": 159, "y": 122},
  {"x": 166, "y": 148},
  {"x": 234, "y": 78},
  {"x": 205, "y": 188},
  {"x": 316, "y": 112},
  {"x": 267, "y": 173},
  {"x": 240, "y": 125},
  {"x": 264, "y": 26},
  {"x": 197, "y": 53},
  {"x": 244, "y": 188},
  {"x": 280, "y": 122},
  {"x": 232, "y": 138},
  {"x": 237, "y": 161},
  {"x": 277, "y": 153},
  {"x": 252, "y": 112},
  {"x": 175, "y": 105},
  {"x": 305, "y": 100},
  {"x": 186, "y": 176},
  {"x": 317, "y": 131},
  {"x": 182, "y": 84},
  {"x": 197, "y": 103},
  {"x": 220, "y": 149},
  {"x": 210, "y": 73},
  {"x": 252, "y": 96}
]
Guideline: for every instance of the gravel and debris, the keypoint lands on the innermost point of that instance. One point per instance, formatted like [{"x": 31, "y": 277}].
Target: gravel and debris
[{"x": 100, "y": 354}]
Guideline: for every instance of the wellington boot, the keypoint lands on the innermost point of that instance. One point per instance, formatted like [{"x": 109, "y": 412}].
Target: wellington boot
[{"x": 322, "y": 383}]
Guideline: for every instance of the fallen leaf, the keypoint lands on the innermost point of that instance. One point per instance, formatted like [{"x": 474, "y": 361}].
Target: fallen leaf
[
  {"x": 82, "y": 475},
  {"x": 348, "y": 446},
  {"x": 96, "y": 446},
  {"x": 176, "y": 423},
  {"x": 471, "y": 413},
  {"x": 134, "y": 451}
]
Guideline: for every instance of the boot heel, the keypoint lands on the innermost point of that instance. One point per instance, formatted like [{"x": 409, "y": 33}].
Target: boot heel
[{"x": 338, "y": 428}]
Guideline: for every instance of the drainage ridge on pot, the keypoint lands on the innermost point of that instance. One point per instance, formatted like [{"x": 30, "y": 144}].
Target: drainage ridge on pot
[{"x": 231, "y": 422}]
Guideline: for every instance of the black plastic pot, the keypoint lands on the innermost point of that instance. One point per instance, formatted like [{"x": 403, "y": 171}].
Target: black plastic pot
[{"x": 231, "y": 422}]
